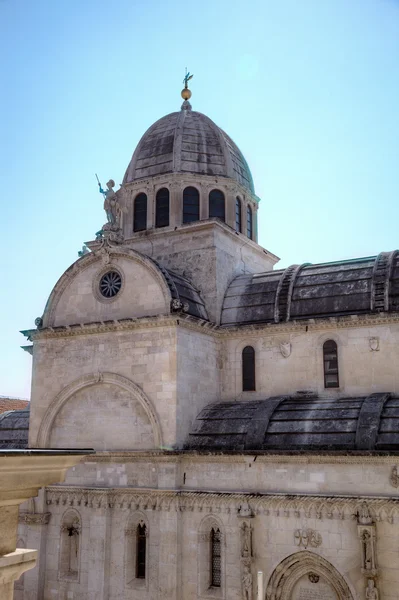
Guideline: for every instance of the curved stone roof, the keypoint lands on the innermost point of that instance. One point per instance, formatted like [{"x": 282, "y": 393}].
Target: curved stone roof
[
  {"x": 187, "y": 297},
  {"x": 355, "y": 286},
  {"x": 14, "y": 429},
  {"x": 301, "y": 423},
  {"x": 188, "y": 142}
]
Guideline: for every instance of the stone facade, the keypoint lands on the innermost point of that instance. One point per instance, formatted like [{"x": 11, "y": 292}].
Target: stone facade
[{"x": 129, "y": 374}]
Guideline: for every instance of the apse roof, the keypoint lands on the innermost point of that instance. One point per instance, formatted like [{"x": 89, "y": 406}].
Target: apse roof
[
  {"x": 306, "y": 291},
  {"x": 299, "y": 423},
  {"x": 188, "y": 142},
  {"x": 14, "y": 428}
]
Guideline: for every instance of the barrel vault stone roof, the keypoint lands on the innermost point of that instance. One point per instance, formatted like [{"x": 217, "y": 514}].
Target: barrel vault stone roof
[
  {"x": 14, "y": 428},
  {"x": 188, "y": 142},
  {"x": 302, "y": 423},
  {"x": 357, "y": 286}
]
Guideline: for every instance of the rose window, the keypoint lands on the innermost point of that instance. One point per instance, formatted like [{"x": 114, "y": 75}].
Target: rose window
[{"x": 110, "y": 284}]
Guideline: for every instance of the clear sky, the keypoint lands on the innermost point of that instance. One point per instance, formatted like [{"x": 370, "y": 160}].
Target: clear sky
[{"x": 308, "y": 89}]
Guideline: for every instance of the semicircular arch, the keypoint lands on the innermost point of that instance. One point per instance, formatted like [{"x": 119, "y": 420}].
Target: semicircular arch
[
  {"x": 106, "y": 256},
  {"x": 85, "y": 381}
]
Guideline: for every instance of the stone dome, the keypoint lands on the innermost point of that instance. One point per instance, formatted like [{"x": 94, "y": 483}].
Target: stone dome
[{"x": 188, "y": 142}]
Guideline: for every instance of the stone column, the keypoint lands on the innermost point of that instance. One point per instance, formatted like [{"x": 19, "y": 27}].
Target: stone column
[
  {"x": 175, "y": 204},
  {"x": 168, "y": 554},
  {"x": 231, "y": 206},
  {"x": 150, "y": 191},
  {"x": 99, "y": 553},
  {"x": 204, "y": 202}
]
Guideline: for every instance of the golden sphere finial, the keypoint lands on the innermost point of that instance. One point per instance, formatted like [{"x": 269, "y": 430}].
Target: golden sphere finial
[{"x": 186, "y": 94}]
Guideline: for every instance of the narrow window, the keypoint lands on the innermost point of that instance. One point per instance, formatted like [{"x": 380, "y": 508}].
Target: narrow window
[
  {"x": 248, "y": 369},
  {"x": 190, "y": 205},
  {"x": 140, "y": 213},
  {"x": 249, "y": 222},
  {"x": 141, "y": 551},
  {"x": 238, "y": 216},
  {"x": 216, "y": 205},
  {"x": 70, "y": 543},
  {"x": 330, "y": 357},
  {"x": 162, "y": 208},
  {"x": 216, "y": 558}
]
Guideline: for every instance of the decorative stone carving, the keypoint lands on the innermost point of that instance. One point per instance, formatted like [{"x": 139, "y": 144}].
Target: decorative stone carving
[
  {"x": 245, "y": 511},
  {"x": 368, "y": 549},
  {"x": 374, "y": 343},
  {"x": 246, "y": 540},
  {"x": 39, "y": 322},
  {"x": 285, "y": 349},
  {"x": 313, "y": 577},
  {"x": 246, "y": 582},
  {"x": 34, "y": 518},
  {"x": 371, "y": 590},
  {"x": 177, "y": 305},
  {"x": 363, "y": 515},
  {"x": 307, "y": 537},
  {"x": 394, "y": 478}
]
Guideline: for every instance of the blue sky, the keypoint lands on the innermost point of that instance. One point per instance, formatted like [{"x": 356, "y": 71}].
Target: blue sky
[{"x": 307, "y": 89}]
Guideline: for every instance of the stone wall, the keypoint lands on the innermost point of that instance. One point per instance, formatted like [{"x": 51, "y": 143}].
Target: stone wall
[{"x": 362, "y": 369}]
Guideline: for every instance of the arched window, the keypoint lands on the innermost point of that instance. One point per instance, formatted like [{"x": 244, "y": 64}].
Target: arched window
[
  {"x": 248, "y": 369},
  {"x": 136, "y": 552},
  {"x": 330, "y": 359},
  {"x": 216, "y": 558},
  {"x": 71, "y": 530},
  {"x": 140, "y": 213},
  {"x": 141, "y": 541},
  {"x": 190, "y": 205},
  {"x": 162, "y": 208},
  {"x": 249, "y": 222},
  {"x": 238, "y": 216},
  {"x": 217, "y": 205}
]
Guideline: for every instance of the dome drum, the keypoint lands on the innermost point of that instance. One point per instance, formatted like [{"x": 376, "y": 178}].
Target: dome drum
[{"x": 177, "y": 185}]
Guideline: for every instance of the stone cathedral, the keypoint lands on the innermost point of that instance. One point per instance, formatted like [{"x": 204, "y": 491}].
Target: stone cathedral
[{"x": 245, "y": 419}]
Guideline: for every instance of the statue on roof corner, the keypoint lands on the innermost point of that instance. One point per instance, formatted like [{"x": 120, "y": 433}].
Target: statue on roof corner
[{"x": 113, "y": 209}]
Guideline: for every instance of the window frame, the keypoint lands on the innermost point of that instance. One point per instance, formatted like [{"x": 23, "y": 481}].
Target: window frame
[
  {"x": 194, "y": 205},
  {"x": 141, "y": 550},
  {"x": 238, "y": 215},
  {"x": 248, "y": 360},
  {"x": 213, "y": 201},
  {"x": 250, "y": 224},
  {"x": 140, "y": 197},
  {"x": 329, "y": 370},
  {"x": 216, "y": 553},
  {"x": 161, "y": 210}
]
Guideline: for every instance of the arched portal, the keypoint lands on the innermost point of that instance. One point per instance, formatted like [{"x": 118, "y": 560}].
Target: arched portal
[{"x": 306, "y": 575}]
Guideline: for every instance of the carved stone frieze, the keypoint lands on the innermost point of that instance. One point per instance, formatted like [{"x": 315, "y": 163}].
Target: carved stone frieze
[
  {"x": 382, "y": 509},
  {"x": 34, "y": 518},
  {"x": 307, "y": 537}
]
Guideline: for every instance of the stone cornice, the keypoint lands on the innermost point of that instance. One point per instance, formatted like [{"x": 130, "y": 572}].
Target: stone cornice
[
  {"x": 194, "y": 324},
  {"x": 281, "y": 505},
  {"x": 180, "y": 456}
]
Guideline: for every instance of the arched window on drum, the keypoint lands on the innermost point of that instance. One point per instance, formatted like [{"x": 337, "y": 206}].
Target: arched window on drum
[
  {"x": 162, "y": 208},
  {"x": 217, "y": 205},
  {"x": 191, "y": 205},
  {"x": 238, "y": 216},
  {"x": 249, "y": 222},
  {"x": 140, "y": 213}
]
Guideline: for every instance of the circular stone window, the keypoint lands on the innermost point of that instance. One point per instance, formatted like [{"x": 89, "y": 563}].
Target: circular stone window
[{"x": 110, "y": 284}]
